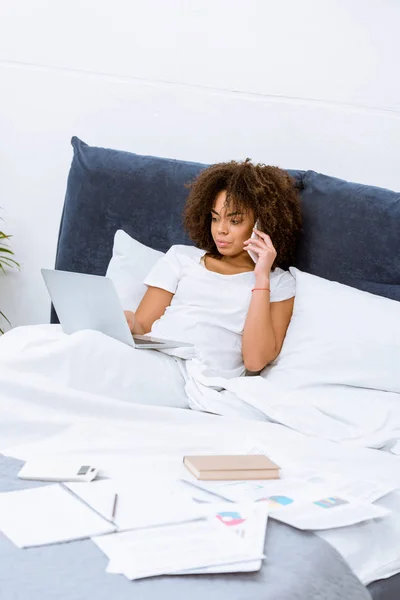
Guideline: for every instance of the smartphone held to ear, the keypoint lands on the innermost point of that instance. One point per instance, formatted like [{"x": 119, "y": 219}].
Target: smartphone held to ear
[{"x": 252, "y": 254}]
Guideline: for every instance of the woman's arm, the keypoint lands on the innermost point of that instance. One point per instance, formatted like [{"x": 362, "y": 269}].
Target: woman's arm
[
  {"x": 266, "y": 322},
  {"x": 151, "y": 308},
  {"x": 264, "y": 330}
]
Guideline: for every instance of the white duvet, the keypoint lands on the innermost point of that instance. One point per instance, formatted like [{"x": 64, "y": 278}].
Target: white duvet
[
  {"x": 354, "y": 415},
  {"x": 41, "y": 414}
]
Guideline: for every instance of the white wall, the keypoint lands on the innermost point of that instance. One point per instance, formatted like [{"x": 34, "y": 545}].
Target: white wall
[{"x": 311, "y": 84}]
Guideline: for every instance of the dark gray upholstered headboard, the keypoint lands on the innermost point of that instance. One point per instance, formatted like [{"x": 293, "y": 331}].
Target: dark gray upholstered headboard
[{"x": 350, "y": 232}]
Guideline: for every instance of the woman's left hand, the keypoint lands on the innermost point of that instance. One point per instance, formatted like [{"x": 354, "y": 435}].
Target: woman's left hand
[{"x": 262, "y": 246}]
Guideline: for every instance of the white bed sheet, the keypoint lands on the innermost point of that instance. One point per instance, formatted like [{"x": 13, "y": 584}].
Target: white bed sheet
[{"x": 41, "y": 416}]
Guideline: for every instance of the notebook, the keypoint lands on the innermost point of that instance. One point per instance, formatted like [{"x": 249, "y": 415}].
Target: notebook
[{"x": 246, "y": 466}]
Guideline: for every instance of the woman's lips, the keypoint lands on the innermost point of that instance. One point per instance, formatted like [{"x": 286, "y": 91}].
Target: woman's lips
[{"x": 222, "y": 243}]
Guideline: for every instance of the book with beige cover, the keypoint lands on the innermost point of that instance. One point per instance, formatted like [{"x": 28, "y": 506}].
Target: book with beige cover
[{"x": 246, "y": 466}]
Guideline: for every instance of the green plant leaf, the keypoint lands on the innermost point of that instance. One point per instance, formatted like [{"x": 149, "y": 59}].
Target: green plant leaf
[
  {"x": 5, "y": 318},
  {"x": 7, "y": 250},
  {"x": 10, "y": 262},
  {"x": 6, "y": 261}
]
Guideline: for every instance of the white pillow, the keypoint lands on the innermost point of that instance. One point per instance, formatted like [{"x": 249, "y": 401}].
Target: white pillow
[
  {"x": 338, "y": 335},
  {"x": 130, "y": 263}
]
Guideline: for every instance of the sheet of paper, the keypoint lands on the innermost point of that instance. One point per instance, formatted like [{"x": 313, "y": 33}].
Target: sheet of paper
[
  {"x": 137, "y": 507},
  {"x": 302, "y": 504},
  {"x": 313, "y": 506},
  {"x": 249, "y": 491},
  {"x": 362, "y": 490},
  {"x": 248, "y": 522},
  {"x": 327, "y": 512},
  {"x": 172, "y": 549},
  {"x": 47, "y": 515}
]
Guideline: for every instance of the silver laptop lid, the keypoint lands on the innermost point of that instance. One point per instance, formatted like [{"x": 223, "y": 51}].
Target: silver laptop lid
[{"x": 85, "y": 301}]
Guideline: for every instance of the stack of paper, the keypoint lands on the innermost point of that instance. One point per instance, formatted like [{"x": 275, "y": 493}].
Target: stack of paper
[
  {"x": 48, "y": 515},
  {"x": 205, "y": 539},
  {"x": 145, "y": 531},
  {"x": 220, "y": 543}
]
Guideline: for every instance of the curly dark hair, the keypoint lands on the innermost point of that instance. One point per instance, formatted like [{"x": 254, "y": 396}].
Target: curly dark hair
[{"x": 267, "y": 191}]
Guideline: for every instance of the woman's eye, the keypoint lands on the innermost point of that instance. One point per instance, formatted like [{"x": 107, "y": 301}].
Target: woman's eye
[
  {"x": 235, "y": 222},
  {"x": 213, "y": 219}
]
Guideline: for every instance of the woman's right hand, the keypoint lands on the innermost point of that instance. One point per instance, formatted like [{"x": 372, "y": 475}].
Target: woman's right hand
[{"x": 131, "y": 319}]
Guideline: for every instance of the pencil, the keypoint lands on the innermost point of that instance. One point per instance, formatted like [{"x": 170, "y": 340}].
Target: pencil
[{"x": 114, "y": 510}]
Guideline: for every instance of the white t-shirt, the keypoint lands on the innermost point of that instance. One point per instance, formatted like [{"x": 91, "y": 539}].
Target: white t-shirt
[{"x": 209, "y": 309}]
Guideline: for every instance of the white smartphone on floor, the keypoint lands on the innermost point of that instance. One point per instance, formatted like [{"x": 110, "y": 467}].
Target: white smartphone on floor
[
  {"x": 57, "y": 471},
  {"x": 252, "y": 254}
]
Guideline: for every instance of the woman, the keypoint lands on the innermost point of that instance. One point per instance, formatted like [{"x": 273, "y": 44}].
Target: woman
[{"x": 234, "y": 311}]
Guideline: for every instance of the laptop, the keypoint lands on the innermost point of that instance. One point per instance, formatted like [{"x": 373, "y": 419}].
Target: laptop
[{"x": 85, "y": 301}]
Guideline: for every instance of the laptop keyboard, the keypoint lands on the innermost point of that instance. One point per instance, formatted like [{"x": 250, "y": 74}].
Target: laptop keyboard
[{"x": 139, "y": 341}]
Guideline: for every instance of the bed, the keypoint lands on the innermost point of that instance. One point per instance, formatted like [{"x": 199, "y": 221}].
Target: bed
[{"x": 109, "y": 190}]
